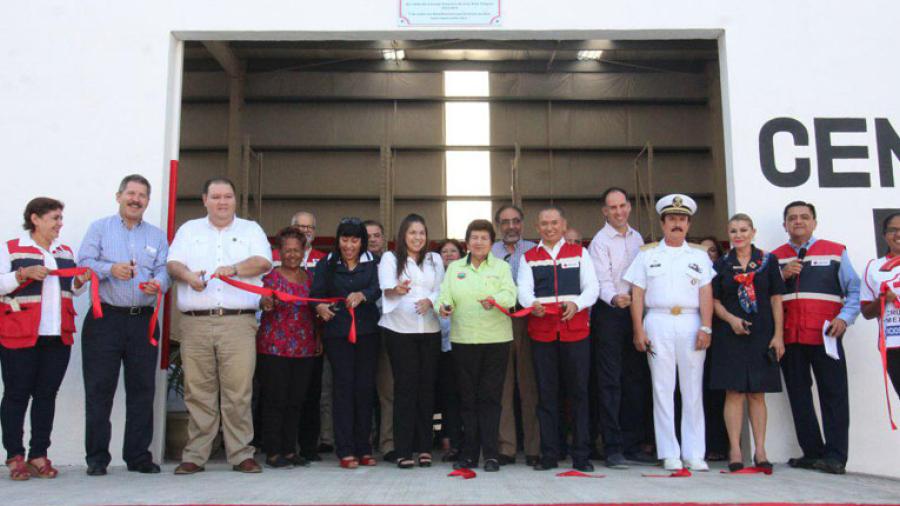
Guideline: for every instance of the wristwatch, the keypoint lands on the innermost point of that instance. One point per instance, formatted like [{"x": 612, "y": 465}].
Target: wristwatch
[{"x": 706, "y": 330}]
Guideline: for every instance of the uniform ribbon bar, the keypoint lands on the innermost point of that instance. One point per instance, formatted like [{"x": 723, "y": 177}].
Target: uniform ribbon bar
[{"x": 287, "y": 297}]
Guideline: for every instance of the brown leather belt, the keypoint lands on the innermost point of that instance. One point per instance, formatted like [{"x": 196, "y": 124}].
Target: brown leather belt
[{"x": 219, "y": 312}]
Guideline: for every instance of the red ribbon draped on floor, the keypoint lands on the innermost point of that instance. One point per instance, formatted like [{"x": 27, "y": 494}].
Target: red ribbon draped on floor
[
  {"x": 287, "y": 297},
  {"x": 578, "y": 474},
  {"x": 750, "y": 470},
  {"x": 464, "y": 473},
  {"x": 72, "y": 272},
  {"x": 681, "y": 473}
]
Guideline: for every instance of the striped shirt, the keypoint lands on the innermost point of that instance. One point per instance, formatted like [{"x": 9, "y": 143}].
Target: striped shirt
[
  {"x": 108, "y": 241},
  {"x": 499, "y": 250}
]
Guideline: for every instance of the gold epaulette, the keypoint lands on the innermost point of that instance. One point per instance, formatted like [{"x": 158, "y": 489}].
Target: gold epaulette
[{"x": 649, "y": 246}]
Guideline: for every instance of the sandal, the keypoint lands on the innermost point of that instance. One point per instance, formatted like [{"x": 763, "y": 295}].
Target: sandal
[
  {"x": 424, "y": 460},
  {"x": 45, "y": 470},
  {"x": 406, "y": 463},
  {"x": 18, "y": 470},
  {"x": 349, "y": 463},
  {"x": 367, "y": 460}
]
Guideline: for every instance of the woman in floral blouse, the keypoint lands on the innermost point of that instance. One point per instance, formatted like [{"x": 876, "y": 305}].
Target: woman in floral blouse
[{"x": 286, "y": 345}]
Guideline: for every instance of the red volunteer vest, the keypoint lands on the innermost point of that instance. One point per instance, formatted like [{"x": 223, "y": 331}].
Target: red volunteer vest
[
  {"x": 815, "y": 295},
  {"x": 20, "y": 311},
  {"x": 557, "y": 280}
]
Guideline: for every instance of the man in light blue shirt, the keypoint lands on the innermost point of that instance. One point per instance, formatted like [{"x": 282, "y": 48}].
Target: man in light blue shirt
[
  {"x": 508, "y": 221},
  {"x": 129, "y": 257}
]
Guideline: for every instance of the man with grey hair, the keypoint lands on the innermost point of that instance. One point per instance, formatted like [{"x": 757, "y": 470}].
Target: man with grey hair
[{"x": 129, "y": 257}]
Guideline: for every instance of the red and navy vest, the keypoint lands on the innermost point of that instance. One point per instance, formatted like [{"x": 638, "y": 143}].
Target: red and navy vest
[
  {"x": 557, "y": 280},
  {"x": 813, "y": 296},
  {"x": 20, "y": 311}
]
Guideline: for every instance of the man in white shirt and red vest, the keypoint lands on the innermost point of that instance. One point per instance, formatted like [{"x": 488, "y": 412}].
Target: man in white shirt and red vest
[
  {"x": 671, "y": 279},
  {"x": 559, "y": 276},
  {"x": 821, "y": 286}
]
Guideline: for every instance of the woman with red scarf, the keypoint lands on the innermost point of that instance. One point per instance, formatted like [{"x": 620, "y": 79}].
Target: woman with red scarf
[{"x": 747, "y": 338}]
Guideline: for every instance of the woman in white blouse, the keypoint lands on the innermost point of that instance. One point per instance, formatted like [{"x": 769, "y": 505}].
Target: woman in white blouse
[{"x": 410, "y": 279}]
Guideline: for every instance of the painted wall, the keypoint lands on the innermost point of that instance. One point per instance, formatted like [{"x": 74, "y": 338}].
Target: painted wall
[{"x": 86, "y": 99}]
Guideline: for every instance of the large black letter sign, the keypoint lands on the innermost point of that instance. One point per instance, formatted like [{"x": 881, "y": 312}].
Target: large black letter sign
[
  {"x": 801, "y": 171},
  {"x": 828, "y": 153}
]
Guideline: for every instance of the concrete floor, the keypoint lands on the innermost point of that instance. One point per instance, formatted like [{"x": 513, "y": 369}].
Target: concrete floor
[{"x": 325, "y": 483}]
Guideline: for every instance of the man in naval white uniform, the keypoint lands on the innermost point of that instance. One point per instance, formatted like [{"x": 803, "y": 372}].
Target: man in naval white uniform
[{"x": 671, "y": 281}]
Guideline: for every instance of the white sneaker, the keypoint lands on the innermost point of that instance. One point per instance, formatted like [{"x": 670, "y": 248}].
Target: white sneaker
[
  {"x": 672, "y": 464},
  {"x": 698, "y": 465}
]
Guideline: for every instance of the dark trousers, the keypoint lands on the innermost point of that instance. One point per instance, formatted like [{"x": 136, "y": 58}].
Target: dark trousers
[
  {"x": 831, "y": 382},
  {"x": 480, "y": 372},
  {"x": 310, "y": 424},
  {"x": 623, "y": 380},
  {"x": 448, "y": 400},
  {"x": 571, "y": 362},
  {"x": 893, "y": 367},
  {"x": 283, "y": 383},
  {"x": 353, "y": 369},
  {"x": 414, "y": 365},
  {"x": 714, "y": 416},
  {"x": 108, "y": 344},
  {"x": 31, "y": 374}
]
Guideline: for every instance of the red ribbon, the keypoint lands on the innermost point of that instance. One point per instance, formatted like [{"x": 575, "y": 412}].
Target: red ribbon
[
  {"x": 288, "y": 297},
  {"x": 464, "y": 473},
  {"x": 681, "y": 473},
  {"x": 548, "y": 309},
  {"x": 882, "y": 346},
  {"x": 750, "y": 470},
  {"x": 72, "y": 272},
  {"x": 579, "y": 474},
  {"x": 152, "y": 329}
]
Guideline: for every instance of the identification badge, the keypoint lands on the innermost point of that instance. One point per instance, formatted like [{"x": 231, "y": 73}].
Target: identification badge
[
  {"x": 820, "y": 262},
  {"x": 460, "y": 275}
]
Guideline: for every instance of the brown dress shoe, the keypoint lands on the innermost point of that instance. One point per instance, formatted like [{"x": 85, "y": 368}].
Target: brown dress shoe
[
  {"x": 247, "y": 466},
  {"x": 189, "y": 468}
]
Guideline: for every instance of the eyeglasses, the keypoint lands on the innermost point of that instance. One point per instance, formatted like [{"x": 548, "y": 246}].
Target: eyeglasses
[{"x": 305, "y": 227}]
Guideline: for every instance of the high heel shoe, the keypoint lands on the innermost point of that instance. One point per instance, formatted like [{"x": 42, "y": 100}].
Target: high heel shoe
[
  {"x": 764, "y": 467},
  {"x": 735, "y": 466}
]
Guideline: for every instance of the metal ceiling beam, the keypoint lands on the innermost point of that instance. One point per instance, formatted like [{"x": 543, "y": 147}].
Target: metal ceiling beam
[
  {"x": 225, "y": 56},
  {"x": 549, "y": 45}
]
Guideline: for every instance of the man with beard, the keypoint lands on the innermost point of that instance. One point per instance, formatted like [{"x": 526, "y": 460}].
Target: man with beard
[
  {"x": 671, "y": 280},
  {"x": 509, "y": 220},
  {"x": 129, "y": 257}
]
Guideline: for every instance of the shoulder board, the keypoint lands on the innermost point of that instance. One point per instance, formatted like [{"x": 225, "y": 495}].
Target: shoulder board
[
  {"x": 649, "y": 246},
  {"x": 697, "y": 246}
]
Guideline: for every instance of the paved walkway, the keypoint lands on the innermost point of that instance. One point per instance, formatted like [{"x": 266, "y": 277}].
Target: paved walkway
[{"x": 325, "y": 483}]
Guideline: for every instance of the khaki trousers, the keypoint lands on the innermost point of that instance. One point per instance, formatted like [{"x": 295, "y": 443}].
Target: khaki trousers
[
  {"x": 520, "y": 369},
  {"x": 218, "y": 355},
  {"x": 384, "y": 382}
]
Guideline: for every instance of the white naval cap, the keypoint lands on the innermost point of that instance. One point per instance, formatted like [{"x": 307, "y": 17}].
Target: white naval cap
[{"x": 676, "y": 203}]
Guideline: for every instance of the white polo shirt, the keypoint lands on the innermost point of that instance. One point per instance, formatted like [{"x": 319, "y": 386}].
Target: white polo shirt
[{"x": 202, "y": 247}]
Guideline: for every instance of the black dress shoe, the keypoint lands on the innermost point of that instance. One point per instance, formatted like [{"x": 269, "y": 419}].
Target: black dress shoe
[
  {"x": 390, "y": 456},
  {"x": 584, "y": 466},
  {"x": 545, "y": 465},
  {"x": 325, "y": 448},
  {"x": 451, "y": 455},
  {"x": 465, "y": 464},
  {"x": 532, "y": 460},
  {"x": 830, "y": 466},
  {"x": 312, "y": 457},
  {"x": 491, "y": 465},
  {"x": 642, "y": 458},
  {"x": 803, "y": 462},
  {"x": 504, "y": 460},
  {"x": 143, "y": 468},
  {"x": 96, "y": 470},
  {"x": 616, "y": 461}
]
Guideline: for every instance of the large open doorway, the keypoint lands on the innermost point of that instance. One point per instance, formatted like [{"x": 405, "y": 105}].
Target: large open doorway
[{"x": 452, "y": 129}]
